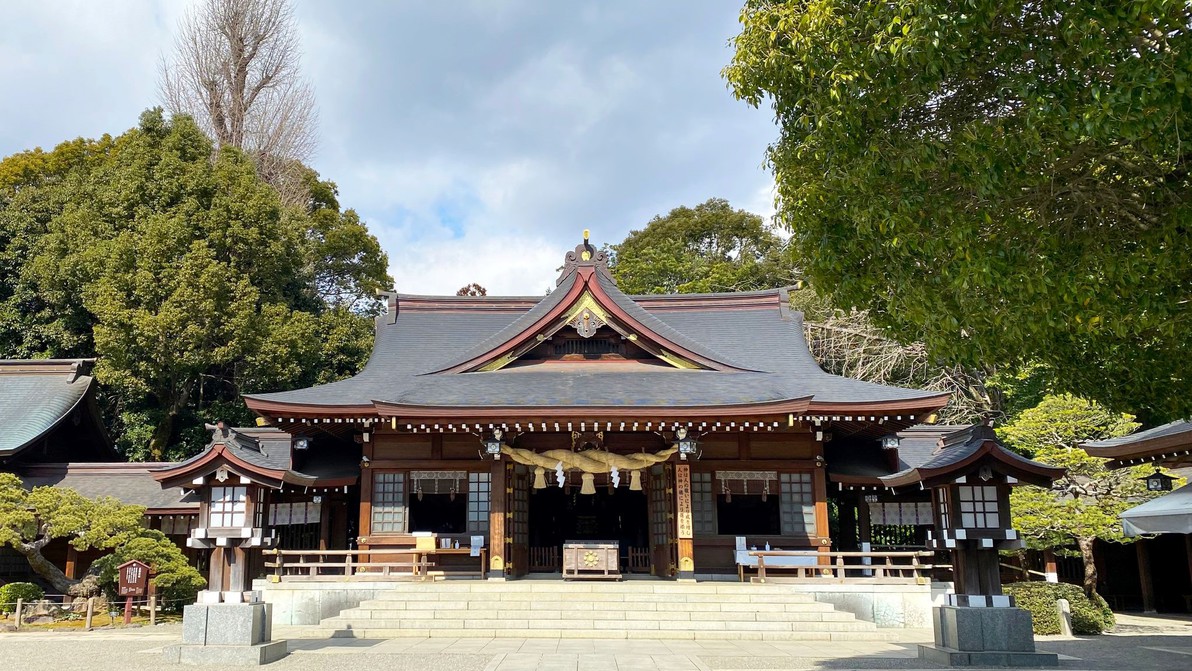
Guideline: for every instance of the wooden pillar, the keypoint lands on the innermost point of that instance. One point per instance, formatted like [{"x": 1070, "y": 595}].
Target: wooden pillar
[
  {"x": 217, "y": 570},
  {"x": 1144, "y": 576},
  {"x": 237, "y": 560},
  {"x": 820, "y": 484},
  {"x": 684, "y": 522},
  {"x": 847, "y": 540},
  {"x": 325, "y": 523},
  {"x": 497, "y": 509},
  {"x": 1050, "y": 567},
  {"x": 1188, "y": 552},
  {"x": 72, "y": 561},
  {"x": 863, "y": 517},
  {"x": 364, "y": 527}
]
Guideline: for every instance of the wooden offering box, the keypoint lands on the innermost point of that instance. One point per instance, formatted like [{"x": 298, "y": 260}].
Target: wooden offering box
[{"x": 600, "y": 559}]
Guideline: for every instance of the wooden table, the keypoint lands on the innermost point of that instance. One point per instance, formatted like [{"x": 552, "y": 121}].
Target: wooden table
[
  {"x": 600, "y": 559},
  {"x": 420, "y": 555}
]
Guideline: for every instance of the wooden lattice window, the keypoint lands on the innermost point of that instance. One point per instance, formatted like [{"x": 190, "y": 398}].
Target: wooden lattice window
[
  {"x": 796, "y": 503},
  {"x": 228, "y": 506},
  {"x": 703, "y": 505},
  {"x": 388, "y": 502},
  {"x": 479, "y": 497},
  {"x": 979, "y": 507}
]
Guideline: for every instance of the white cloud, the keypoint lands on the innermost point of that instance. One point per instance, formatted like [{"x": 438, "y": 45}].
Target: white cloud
[{"x": 477, "y": 139}]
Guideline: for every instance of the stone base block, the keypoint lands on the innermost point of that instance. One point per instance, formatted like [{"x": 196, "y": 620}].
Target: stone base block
[
  {"x": 226, "y": 655},
  {"x": 983, "y": 636},
  {"x": 954, "y": 657},
  {"x": 969, "y": 629}
]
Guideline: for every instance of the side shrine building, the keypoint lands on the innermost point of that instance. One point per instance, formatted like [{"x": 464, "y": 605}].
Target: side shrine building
[{"x": 653, "y": 432}]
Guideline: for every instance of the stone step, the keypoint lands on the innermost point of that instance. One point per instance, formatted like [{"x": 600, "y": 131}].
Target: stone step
[
  {"x": 610, "y": 596},
  {"x": 776, "y": 605},
  {"x": 562, "y": 586},
  {"x": 350, "y": 623},
  {"x": 365, "y": 616},
  {"x": 651, "y": 634}
]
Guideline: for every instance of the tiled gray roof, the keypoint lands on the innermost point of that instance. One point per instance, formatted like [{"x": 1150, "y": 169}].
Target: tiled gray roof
[
  {"x": 960, "y": 445},
  {"x": 766, "y": 344},
  {"x": 33, "y": 403},
  {"x": 866, "y": 458},
  {"x": 129, "y": 483},
  {"x": 270, "y": 448},
  {"x": 1171, "y": 429}
]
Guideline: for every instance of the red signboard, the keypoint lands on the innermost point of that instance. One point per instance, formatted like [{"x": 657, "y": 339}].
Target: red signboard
[{"x": 133, "y": 578}]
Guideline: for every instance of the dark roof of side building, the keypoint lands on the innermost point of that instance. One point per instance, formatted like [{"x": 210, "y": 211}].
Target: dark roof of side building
[
  {"x": 864, "y": 462},
  {"x": 961, "y": 449},
  {"x": 265, "y": 455},
  {"x": 50, "y": 403},
  {"x": 133, "y": 484},
  {"x": 1169, "y": 444}
]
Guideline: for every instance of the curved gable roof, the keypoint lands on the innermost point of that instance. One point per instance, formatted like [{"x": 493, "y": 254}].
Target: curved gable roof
[
  {"x": 36, "y": 396},
  {"x": 430, "y": 353}
]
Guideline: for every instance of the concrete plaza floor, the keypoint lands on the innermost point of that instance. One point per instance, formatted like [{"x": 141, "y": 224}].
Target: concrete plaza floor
[{"x": 1143, "y": 643}]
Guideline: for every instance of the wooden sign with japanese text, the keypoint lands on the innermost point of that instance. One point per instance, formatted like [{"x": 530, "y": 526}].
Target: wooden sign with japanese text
[{"x": 132, "y": 578}]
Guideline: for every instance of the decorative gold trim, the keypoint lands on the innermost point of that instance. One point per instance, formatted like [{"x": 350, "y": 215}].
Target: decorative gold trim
[{"x": 498, "y": 364}]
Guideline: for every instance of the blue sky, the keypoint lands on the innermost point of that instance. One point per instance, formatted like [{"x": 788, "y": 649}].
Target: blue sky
[{"x": 477, "y": 138}]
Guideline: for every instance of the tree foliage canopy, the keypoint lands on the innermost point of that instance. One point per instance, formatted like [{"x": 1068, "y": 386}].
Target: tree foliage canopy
[
  {"x": 706, "y": 248},
  {"x": 30, "y": 520},
  {"x": 1084, "y": 504},
  {"x": 183, "y": 273},
  {"x": 1005, "y": 181}
]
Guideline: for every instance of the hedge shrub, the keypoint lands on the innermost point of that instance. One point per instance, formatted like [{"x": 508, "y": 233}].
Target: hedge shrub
[
  {"x": 26, "y": 591},
  {"x": 1040, "y": 599}
]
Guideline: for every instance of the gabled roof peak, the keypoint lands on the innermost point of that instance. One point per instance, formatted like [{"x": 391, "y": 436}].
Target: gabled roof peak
[{"x": 584, "y": 256}]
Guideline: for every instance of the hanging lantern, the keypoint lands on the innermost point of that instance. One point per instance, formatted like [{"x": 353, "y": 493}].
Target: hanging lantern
[
  {"x": 419, "y": 490},
  {"x": 765, "y": 490},
  {"x": 686, "y": 443},
  {"x": 635, "y": 481},
  {"x": 540, "y": 478},
  {"x": 1158, "y": 482},
  {"x": 589, "y": 484},
  {"x": 492, "y": 446}
]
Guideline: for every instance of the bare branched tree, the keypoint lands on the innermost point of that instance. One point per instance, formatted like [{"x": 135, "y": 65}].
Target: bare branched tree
[
  {"x": 846, "y": 342},
  {"x": 235, "y": 69}
]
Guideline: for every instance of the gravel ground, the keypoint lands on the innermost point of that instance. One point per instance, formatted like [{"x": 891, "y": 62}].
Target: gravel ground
[{"x": 137, "y": 649}]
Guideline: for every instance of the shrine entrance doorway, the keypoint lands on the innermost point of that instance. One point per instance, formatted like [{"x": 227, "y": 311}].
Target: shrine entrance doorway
[{"x": 562, "y": 514}]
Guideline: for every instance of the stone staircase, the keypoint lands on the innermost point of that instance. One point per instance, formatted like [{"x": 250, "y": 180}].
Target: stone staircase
[{"x": 645, "y": 609}]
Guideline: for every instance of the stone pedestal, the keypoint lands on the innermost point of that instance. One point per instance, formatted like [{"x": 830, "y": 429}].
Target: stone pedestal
[
  {"x": 227, "y": 634},
  {"x": 984, "y": 636}
]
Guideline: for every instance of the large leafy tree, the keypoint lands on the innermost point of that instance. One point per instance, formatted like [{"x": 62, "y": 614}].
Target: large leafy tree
[
  {"x": 709, "y": 247},
  {"x": 182, "y": 271},
  {"x": 712, "y": 247},
  {"x": 1006, "y": 181},
  {"x": 32, "y": 519},
  {"x": 1082, "y": 506}
]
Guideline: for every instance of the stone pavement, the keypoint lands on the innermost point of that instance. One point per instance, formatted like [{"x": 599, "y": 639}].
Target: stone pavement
[{"x": 1147, "y": 644}]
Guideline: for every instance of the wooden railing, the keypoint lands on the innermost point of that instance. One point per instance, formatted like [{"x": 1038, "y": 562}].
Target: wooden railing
[
  {"x": 388, "y": 564},
  {"x": 812, "y": 566}
]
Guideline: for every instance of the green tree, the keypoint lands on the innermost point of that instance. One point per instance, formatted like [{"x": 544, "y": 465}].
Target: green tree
[
  {"x": 1005, "y": 181},
  {"x": 709, "y": 247},
  {"x": 1083, "y": 505},
  {"x": 181, "y": 270},
  {"x": 30, "y": 520},
  {"x": 177, "y": 582}
]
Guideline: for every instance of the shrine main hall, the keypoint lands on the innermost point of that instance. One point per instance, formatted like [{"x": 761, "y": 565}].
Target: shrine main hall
[{"x": 664, "y": 430}]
